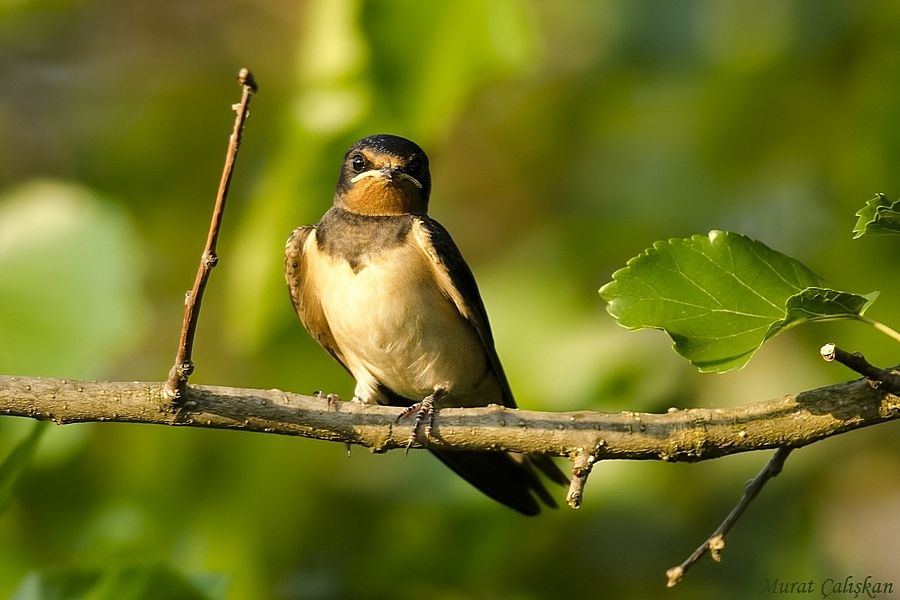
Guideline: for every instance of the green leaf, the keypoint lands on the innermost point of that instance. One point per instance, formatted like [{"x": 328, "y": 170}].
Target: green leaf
[
  {"x": 720, "y": 296},
  {"x": 148, "y": 581},
  {"x": 879, "y": 216},
  {"x": 821, "y": 304}
]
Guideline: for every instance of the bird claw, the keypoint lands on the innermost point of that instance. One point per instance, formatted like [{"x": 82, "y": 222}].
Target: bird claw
[
  {"x": 424, "y": 412},
  {"x": 331, "y": 399}
]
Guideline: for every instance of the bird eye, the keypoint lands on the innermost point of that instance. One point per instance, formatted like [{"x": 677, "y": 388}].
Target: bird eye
[
  {"x": 414, "y": 166},
  {"x": 358, "y": 163}
]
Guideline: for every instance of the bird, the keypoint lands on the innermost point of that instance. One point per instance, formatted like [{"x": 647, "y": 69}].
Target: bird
[{"x": 384, "y": 289}]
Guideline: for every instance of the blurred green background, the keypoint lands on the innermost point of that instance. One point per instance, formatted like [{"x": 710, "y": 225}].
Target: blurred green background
[{"x": 565, "y": 137}]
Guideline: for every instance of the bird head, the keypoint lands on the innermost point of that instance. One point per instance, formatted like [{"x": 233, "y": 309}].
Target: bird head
[{"x": 384, "y": 175}]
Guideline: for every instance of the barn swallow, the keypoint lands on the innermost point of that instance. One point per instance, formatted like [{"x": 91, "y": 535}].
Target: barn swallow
[{"x": 384, "y": 289}]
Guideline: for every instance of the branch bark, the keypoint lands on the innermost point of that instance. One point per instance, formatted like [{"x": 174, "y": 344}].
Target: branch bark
[{"x": 689, "y": 435}]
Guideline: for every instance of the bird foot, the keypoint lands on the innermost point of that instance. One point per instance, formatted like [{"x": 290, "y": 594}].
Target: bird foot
[
  {"x": 331, "y": 399},
  {"x": 424, "y": 411}
]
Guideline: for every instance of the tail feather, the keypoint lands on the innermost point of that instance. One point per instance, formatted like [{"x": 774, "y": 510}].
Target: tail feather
[
  {"x": 507, "y": 478},
  {"x": 549, "y": 468}
]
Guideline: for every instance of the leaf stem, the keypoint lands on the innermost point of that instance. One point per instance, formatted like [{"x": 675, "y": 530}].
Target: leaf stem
[{"x": 893, "y": 333}]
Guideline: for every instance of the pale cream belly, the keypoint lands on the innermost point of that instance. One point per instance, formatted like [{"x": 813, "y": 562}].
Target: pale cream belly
[{"x": 394, "y": 326}]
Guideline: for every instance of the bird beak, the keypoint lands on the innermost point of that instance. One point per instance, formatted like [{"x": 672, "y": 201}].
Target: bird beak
[{"x": 389, "y": 173}]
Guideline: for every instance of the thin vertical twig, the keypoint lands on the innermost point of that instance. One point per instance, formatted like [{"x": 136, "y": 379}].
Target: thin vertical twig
[{"x": 184, "y": 366}]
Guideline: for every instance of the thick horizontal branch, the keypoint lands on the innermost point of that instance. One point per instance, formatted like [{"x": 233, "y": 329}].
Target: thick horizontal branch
[{"x": 679, "y": 435}]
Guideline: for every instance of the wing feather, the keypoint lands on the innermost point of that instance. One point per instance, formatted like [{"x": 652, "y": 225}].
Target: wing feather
[
  {"x": 457, "y": 282},
  {"x": 305, "y": 300}
]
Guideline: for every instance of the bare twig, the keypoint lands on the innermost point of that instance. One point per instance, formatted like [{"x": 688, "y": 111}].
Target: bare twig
[
  {"x": 582, "y": 463},
  {"x": 857, "y": 362},
  {"x": 178, "y": 376},
  {"x": 715, "y": 543}
]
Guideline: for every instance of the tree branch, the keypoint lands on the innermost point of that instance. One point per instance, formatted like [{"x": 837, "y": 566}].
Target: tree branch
[
  {"x": 584, "y": 437},
  {"x": 688, "y": 435}
]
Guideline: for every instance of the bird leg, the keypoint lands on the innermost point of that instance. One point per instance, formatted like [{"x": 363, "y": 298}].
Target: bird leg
[{"x": 424, "y": 412}]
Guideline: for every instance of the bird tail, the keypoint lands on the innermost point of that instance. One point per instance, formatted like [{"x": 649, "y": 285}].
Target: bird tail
[{"x": 508, "y": 478}]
